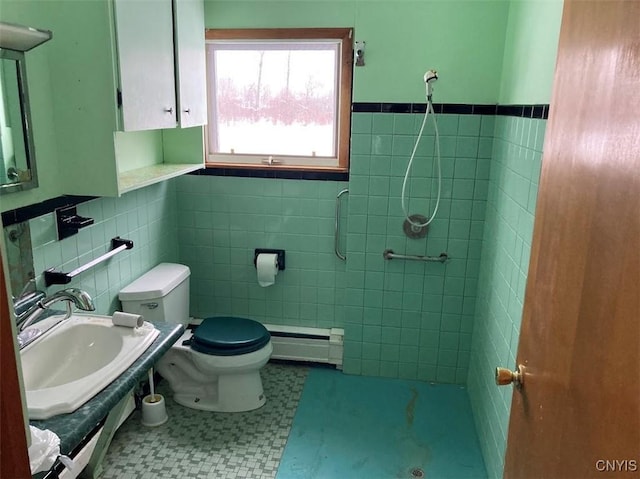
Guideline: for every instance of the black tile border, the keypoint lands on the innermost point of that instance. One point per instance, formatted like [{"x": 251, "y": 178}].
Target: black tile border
[
  {"x": 395, "y": 107},
  {"x": 280, "y": 174},
  {"x": 26, "y": 213},
  {"x": 484, "y": 109},
  {"x": 364, "y": 107},
  {"x": 523, "y": 111},
  {"x": 510, "y": 110}
]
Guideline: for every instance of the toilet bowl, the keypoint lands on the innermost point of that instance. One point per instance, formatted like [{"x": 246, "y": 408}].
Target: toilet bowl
[
  {"x": 223, "y": 380},
  {"x": 214, "y": 366}
]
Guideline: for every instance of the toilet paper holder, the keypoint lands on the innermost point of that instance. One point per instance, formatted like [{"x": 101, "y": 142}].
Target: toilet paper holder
[{"x": 279, "y": 252}]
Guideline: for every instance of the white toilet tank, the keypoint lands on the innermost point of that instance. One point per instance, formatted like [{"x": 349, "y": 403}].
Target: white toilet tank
[{"x": 161, "y": 294}]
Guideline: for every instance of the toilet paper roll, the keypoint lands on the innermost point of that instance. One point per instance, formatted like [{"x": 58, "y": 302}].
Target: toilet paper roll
[
  {"x": 127, "y": 319},
  {"x": 267, "y": 268}
]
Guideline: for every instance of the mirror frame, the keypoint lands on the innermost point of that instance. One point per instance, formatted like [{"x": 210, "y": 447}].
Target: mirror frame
[{"x": 27, "y": 130}]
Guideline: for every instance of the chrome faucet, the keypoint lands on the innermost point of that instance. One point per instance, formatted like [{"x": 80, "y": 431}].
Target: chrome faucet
[{"x": 73, "y": 296}]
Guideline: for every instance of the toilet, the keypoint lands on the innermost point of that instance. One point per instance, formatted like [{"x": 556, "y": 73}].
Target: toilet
[{"x": 216, "y": 366}]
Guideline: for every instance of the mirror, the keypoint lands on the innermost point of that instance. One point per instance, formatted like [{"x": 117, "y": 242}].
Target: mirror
[
  {"x": 17, "y": 160},
  {"x": 17, "y": 153}
]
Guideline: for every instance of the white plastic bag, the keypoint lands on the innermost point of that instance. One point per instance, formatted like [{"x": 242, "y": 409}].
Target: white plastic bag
[{"x": 44, "y": 449}]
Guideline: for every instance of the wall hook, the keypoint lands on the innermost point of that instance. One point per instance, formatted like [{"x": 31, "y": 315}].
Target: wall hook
[{"x": 358, "y": 53}]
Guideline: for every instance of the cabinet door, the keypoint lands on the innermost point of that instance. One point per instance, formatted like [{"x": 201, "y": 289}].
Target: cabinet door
[
  {"x": 144, "y": 37},
  {"x": 190, "y": 62}
]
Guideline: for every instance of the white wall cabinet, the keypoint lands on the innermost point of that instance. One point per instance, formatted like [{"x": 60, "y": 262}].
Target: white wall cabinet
[
  {"x": 128, "y": 80},
  {"x": 145, "y": 50},
  {"x": 190, "y": 62},
  {"x": 162, "y": 63}
]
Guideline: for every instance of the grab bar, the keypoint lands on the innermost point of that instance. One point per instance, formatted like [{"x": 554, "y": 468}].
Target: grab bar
[
  {"x": 389, "y": 254},
  {"x": 337, "y": 227},
  {"x": 52, "y": 276}
]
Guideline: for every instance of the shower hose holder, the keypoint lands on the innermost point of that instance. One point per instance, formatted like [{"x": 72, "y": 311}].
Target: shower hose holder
[{"x": 413, "y": 231}]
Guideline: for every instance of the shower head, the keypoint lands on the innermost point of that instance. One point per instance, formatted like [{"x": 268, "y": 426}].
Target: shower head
[{"x": 430, "y": 78}]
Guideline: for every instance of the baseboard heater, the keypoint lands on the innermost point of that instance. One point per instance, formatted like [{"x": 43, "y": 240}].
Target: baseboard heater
[{"x": 316, "y": 345}]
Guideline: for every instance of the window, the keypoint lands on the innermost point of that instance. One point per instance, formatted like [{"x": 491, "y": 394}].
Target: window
[{"x": 279, "y": 98}]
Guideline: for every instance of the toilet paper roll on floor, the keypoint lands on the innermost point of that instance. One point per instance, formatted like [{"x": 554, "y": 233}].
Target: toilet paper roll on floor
[
  {"x": 267, "y": 268},
  {"x": 128, "y": 320}
]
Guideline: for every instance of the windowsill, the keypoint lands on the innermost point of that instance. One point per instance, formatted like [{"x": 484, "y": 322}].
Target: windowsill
[
  {"x": 247, "y": 166},
  {"x": 288, "y": 173}
]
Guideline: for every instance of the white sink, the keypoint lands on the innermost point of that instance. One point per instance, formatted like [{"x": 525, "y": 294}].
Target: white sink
[{"x": 76, "y": 359}]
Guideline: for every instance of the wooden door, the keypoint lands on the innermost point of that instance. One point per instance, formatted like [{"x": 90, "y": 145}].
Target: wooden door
[
  {"x": 14, "y": 461},
  {"x": 578, "y": 414}
]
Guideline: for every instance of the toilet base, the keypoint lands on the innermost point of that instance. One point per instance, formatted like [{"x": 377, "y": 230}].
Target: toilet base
[
  {"x": 208, "y": 403},
  {"x": 240, "y": 392},
  {"x": 234, "y": 388}
]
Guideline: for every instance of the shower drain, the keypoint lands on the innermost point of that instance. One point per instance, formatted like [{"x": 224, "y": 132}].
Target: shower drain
[{"x": 417, "y": 472}]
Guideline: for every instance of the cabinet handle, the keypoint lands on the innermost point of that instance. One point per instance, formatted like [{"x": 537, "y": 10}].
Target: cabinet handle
[
  {"x": 168, "y": 110},
  {"x": 271, "y": 161},
  {"x": 188, "y": 110}
]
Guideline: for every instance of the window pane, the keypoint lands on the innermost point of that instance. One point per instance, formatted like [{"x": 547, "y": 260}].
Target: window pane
[{"x": 274, "y": 98}]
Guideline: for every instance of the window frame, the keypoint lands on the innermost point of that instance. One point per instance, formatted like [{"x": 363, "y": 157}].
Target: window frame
[{"x": 344, "y": 92}]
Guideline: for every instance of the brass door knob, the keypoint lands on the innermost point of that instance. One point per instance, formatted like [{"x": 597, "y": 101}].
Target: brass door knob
[{"x": 505, "y": 376}]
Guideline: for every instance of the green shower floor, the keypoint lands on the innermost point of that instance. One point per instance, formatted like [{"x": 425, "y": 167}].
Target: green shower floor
[{"x": 353, "y": 427}]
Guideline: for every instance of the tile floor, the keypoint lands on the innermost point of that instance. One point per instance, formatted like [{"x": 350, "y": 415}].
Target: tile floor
[
  {"x": 345, "y": 427},
  {"x": 200, "y": 444}
]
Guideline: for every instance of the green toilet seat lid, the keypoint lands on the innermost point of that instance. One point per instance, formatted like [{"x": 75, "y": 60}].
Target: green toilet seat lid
[{"x": 229, "y": 336}]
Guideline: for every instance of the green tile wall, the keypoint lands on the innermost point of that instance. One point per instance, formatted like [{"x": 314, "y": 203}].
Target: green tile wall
[
  {"x": 146, "y": 216},
  {"x": 223, "y": 219},
  {"x": 506, "y": 246},
  {"x": 403, "y": 318}
]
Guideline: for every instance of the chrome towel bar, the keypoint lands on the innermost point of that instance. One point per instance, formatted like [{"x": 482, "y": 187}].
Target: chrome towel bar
[
  {"x": 389, "y": 254},
  {"x": 52, "y": 276}
]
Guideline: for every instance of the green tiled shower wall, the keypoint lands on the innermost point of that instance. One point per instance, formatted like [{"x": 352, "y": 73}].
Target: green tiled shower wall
[
  {"x": 508, "y": 229},
  {"x": 412, "y": 319},
  {"x": 401, "y": 319},
  {"x": 146, "y": 216}
]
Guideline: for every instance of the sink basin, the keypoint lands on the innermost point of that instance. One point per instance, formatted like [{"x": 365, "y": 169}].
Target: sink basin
[{"x": 76, "y": 359}]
